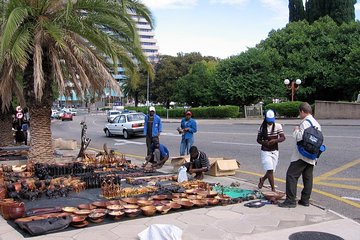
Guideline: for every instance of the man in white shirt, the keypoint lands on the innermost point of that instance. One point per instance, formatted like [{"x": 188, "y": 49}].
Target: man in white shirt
[{"x": 300, "y": 165}]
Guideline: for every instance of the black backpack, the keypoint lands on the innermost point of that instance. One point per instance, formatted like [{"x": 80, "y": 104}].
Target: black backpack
[{"x": 311, "y": 145}]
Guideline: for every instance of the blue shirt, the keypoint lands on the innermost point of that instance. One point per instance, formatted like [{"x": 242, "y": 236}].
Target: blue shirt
[
  {"x": 191, "y": 124},
  {"x": 163, "y": 150},
  {"x": 156, "y": 126}
]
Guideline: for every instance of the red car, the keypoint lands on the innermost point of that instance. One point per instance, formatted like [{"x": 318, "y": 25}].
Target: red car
[{"x": 67, "y": 116}]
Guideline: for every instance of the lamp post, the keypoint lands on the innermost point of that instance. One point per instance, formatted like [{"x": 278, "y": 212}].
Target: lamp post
[{"x": 293, "y": 85}]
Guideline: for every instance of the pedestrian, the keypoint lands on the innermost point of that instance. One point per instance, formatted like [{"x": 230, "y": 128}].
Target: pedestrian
[
  {"x": 269, "y": 135},
  {"x": 199, "y": 163},
  {"x": 158, "y": 156},
  {"x": 187, "y": 129},
  {"x": 300, "y": 165},
  {"x": 25, "y": 128},
  {"x": 152, "y": 127},
  {"x": 19, "y": 135}
]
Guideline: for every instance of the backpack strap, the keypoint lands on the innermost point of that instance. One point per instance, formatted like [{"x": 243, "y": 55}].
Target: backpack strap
[{"x": 310, "y": 122}]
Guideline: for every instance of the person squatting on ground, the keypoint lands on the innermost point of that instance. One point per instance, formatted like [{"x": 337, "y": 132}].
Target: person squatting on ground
[
  {"x": 152, "y": 127},
  {"x": 199, "y": 163},
  {"x": 300, "y": 165},
  {"x": 269, "y": 135},
  {"x": 158, "y": 156},
  {"x": 187, "y": 129}
]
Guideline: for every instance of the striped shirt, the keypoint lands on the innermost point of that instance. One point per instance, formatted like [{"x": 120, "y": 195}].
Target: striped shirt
[
  {"x": 201, "y": 161},
  {"x": 271, "y": 135}
]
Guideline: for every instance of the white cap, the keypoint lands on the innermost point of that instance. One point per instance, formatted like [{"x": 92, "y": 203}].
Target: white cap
[{"x": 152, "y": 109}]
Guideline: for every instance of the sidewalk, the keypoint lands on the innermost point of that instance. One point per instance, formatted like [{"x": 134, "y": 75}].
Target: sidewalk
[{"x": 228, "y": 222}]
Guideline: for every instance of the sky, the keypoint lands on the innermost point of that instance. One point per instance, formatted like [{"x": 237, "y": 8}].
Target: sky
[{"x": 219, "y": 28}]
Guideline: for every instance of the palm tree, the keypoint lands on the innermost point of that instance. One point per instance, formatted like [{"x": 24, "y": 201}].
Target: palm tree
[{"x": 54, "y": 42}]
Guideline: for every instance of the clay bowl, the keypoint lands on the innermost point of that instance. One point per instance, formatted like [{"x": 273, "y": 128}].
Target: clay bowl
[
  {"x": 191, "y": 191},
  {"x": 143, "y": 203},
  {"x": 212, "y": 193},
  {"x": 99, "y": 204},
  {"x": 212, "y": 201},
  {"x": 99, "y": 210},
  {"x": 130, "y": 200},
  {"x": 69, "y": 209},
  {"x": 114, "y": 202},
  {"x": 195, "y": 197},
  {"x": 96, "y": 217},
  {"x": 130, "y": 206},
  {"x": 157, "y": 203},
  {"x": 80, "y": 224},
  {"x": 199, "y": 203},
  {"x": 163, "y": 209},
  {"x": 186, "y": 204},
  {"x": 179, "y": 195},
  {"x": 86, "y": 206},
  {"x": 148, "y": 210},
  {"x": 174, "y": 205},
  {"x": 116, "y": 215},
  {"x": 132, "y": 212},
  {"x": 159, "y": 197},
  {"x": 78, "y": 219},
  {"x": 115, "y": 207},
  {"x": 82, "y": 212},
  {"x": 165, "y": 202}
]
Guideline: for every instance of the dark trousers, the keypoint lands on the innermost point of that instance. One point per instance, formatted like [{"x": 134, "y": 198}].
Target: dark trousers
[
  {"x": 148, "y": 144},
  {"x": 292, "y": 175}
]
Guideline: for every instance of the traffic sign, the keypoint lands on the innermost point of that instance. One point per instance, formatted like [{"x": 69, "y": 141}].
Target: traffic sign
[
  {"x": 19, "y": 115},
  {"x": 18, "y": 109}
]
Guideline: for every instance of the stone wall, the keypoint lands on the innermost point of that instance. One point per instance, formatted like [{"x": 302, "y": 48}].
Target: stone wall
[{"x": 337, "y": 110}]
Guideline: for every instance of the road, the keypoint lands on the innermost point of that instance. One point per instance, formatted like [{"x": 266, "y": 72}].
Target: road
[{"x": 336, "y": 176}]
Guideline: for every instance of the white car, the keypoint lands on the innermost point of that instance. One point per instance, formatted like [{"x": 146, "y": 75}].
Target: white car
[
  {"x": 126, "y": 124},
  {"x": 111, "y": 114}
]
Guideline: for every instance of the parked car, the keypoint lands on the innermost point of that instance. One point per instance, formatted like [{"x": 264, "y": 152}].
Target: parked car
[
  {"x": 66, "y": 116},
  {"x": 54, "y": 114},
  {"x": 73, "y": 111},
  {"x": 111, "y": 114},
  {"x": 126, "y": 124}
]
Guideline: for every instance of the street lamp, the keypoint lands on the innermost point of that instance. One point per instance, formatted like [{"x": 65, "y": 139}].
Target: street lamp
[{"x": 293, "y": 85}]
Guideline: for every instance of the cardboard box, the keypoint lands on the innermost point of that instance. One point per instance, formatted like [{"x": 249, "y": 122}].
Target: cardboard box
[
  {"x": 176, "y": 162},
  {"x": 222, "y": 167}
]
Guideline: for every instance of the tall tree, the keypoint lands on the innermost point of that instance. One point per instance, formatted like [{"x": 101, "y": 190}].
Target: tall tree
[
  {"x": 339, "y": 10},
  {"x": 296, "y": 10},
  {"x": 56, "y": 42}
]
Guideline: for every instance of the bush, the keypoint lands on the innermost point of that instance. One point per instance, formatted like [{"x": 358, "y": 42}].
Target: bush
[
  {"x": 285, "y": 109},
  {"x": 199, "y": 112}
]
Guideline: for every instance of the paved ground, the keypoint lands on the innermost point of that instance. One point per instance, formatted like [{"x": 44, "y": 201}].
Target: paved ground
[{"x": 221, "y": 222}]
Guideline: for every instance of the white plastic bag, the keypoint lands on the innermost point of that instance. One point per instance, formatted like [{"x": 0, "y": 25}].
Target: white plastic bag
[
  {"x": 182, "y": 176},
  {"x": 161, "y": 232}
]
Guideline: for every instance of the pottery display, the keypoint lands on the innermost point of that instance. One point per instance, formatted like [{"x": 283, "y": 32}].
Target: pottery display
[
  {"x": 199, "y": 203},
  {"x": 86, "y": 206},
  {"x": 116, "y": 215},
  {"x": 80, "y": 224},
  {"x": 82, "y": 212},
  {"x": 186, "y": 204},
  {"x": 99, "y": 204},
  {"x": 130, "y": 206},
  {"x": 12, "y": 210},
  {"x": 96, "y": 217},
  {"x": 159, "y": 197},
  {"x": 130, "y": 200},
  {"x": 174, "y": 205},
  {"x": 132, "y": 212},
  {"x": 143, "y": 203},
  {"x": 115, "y": 207},
  {"x": 69, "y": 209}
]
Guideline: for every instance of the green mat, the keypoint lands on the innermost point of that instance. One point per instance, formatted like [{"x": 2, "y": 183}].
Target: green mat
[{"x": 233, "y": 192}]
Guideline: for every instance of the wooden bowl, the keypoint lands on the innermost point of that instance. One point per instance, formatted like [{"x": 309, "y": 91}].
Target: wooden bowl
[
  {"x": 99, "y": 210},
  {"x": 143, "y": 203},
  {"x": 186, "y": 204},
  {"x": 132, "y": 212},
  {"x": 212, "y": 201},
  {"x": 130, "y": 200},
  {"x": 77, "y": 218},
  {"x": 100, "y": 204},
  {"x": 159, "y": 197},
  {"x": 96, "y": 217},
  {"x": 163, "y": 209},
  {"x": 86, "y": 206},
  {"x": 69, "y": 209},
  {"x": 148, "y": 210},
  {"x": 115, "y": 207},
  {"x": 83, "y": 212},
  {"x": 130, "y": 206},
  {"x": 179, "y": 195},
  {"x": 195, "y": 197},
  {"x": 116, "y": 215},
  {"x": 199, "y": 203},
  {"x": 114, "y": 202},
  {"x": 174, "y": 205}
]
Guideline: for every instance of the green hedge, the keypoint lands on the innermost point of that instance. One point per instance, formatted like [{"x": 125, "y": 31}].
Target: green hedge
[
  {"x": 198, "y": 112},
  {"x": 285, "y": 109}
]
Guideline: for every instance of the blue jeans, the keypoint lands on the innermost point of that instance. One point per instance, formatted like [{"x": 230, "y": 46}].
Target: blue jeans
[{"x": 185, "y": 146}]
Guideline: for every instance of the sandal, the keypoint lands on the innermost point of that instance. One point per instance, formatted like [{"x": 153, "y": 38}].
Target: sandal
[{"x": 261, "y": 183}]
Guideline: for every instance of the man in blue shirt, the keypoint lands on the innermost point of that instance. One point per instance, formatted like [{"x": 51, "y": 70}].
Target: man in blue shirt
[
  {"x": 187, "y": 129},
  {"x": 152, "y": 127},
  {"x": 158, "y": 156}
]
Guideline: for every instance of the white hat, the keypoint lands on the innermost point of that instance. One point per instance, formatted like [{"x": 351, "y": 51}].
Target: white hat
[
  {"x": 270, "y": 115},
  {"x": 152, "y": 109}
]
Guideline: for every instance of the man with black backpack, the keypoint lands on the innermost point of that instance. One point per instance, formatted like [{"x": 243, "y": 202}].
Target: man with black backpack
[{"x": 308, "y": 147}]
